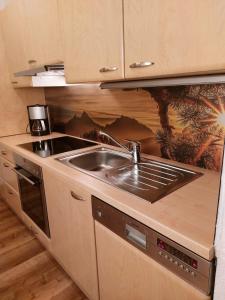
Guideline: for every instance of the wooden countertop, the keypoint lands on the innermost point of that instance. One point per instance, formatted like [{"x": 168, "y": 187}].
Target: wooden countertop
[{"x": 187, "y": 216}]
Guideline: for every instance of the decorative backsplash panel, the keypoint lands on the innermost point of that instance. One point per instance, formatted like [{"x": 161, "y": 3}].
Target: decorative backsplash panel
[{"x": 185, "y": 123}]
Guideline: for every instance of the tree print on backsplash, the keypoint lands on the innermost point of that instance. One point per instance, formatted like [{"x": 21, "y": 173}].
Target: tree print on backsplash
[
  {"x": 201, "y": 114},
  {"x": 183, "y": 123}
]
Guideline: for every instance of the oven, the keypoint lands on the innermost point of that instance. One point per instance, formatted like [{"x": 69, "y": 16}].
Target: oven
[{"x": 32, "y": 193}]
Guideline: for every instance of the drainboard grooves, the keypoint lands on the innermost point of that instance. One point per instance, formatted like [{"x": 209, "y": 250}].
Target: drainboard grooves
[
  {"x": 150, "y": 181},
  {"x": 162, "y": 172},
  {"x": 139, "y": 183},
  {"x": 132, "y": 187},
  {"x": 162, "y": 183},
  {"x": 157, "y": 176}
]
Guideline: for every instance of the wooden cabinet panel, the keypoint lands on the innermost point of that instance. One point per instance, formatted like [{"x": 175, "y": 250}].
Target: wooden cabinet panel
[
  {"x": 83, "y": 255},
  {"x": 43, "y": 33},
  {"x": 93, "y": 39},
  {"x": 6, "y": 153},
  {"x": 180, "y": 37},
  {"x": 13, "y": 26},
  {"x": 21, "y": 82},
  {"x": 32, "y": 35},
  {"x": 72, "y": 230},
  {"x": 8, "y": 175},
  {"x": 58, "y": 214},
  {"x": 12, "y": 198},
  {"x": 127, "y": 273}
]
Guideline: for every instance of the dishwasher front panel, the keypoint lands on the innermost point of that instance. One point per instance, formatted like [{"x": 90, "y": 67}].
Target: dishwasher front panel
[{"x": 174, "y": 257}]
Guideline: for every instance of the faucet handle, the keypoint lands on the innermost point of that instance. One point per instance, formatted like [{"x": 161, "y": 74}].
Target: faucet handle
[
  {"x": 135, "y": 149},
  {"x": 133, "y": 143}
]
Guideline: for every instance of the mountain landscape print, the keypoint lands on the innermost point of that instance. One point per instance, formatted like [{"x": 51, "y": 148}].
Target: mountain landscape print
[{"x": 185, "y": 123}]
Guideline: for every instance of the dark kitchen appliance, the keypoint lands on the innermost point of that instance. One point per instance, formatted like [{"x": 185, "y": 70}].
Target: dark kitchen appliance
[
  {"x": 32, "y": 193},
  {"x": 58, "y": 145},
  {"x": 181, "y": 261},
  {"x": 39, "y": 119}
]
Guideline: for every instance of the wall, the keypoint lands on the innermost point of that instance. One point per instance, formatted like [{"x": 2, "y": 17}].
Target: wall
[
  {"x": 186, "y": 124},
  {"x": 13, "y": 102}
]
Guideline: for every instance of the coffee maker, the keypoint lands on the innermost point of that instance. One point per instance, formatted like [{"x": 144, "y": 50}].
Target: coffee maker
[{"x": 39, "y": 119}]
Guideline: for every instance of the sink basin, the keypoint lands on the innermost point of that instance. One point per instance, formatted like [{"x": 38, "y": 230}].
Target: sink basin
[
  {"x": 150, "y": 180},
  {"x": 98, "y": 160}
]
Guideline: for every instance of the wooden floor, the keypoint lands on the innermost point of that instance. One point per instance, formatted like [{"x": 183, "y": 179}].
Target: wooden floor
[{"x": 27, "y": 271}]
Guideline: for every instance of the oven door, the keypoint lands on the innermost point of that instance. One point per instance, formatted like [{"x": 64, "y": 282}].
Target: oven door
[{"x": 33, "y": 198}]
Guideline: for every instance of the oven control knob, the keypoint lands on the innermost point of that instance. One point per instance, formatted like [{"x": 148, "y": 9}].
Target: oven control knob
[
  {"x": 193, "y": 274},
  {"x": 166, "y": 256},
  {"x": 171, "y": 259},
  {"x": 160, "y": 253},
  {"x": 176, "y": 262},
  {"x": 187, "y": 270}
]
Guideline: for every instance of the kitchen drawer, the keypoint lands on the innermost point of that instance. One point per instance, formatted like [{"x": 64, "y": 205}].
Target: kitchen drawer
[
  {"x": 12, "y": 198},
  {"x": 7, "y": 174},
  {"x": 6, "y": 153}
]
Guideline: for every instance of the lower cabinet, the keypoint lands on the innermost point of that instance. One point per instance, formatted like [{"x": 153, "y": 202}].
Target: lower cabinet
[
  {"x": 125, "y": 273},
  {"x": 11, "y": 197},
  {"x": 72, "y": 230}
]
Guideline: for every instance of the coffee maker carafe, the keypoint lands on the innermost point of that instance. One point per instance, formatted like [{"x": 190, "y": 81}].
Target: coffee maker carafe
[{"x": 39, "y": 119}]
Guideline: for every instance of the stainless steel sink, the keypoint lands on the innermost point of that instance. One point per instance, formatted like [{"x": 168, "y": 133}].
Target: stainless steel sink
[
  {"x": 149, "y": 179},
  {"x": 98, "y": 160}
]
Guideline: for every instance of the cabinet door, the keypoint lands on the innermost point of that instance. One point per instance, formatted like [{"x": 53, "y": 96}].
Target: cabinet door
[
  {"x": 32, "y": 35},
  {"x": 13, "y": 26},
  {"x": 178, "y": 37},
  {"x": 126, "y": 273},
  {"x": 93, "y": 40},
  {"x": 83, "y": 252},
  {"x": 58, "y": 215},
  {"x": 43, "y": 34},
  {"x": 72, "y": 231}
]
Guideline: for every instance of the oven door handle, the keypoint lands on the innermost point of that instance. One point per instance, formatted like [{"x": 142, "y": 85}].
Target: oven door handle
[{"x": 24, "y": 177}]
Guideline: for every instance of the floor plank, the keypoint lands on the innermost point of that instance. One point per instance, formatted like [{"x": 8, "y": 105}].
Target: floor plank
[{"x": 27, "y": 270}]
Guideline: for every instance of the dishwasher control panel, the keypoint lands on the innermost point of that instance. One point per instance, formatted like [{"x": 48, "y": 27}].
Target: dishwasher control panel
[{"x": 181, "y": 261}]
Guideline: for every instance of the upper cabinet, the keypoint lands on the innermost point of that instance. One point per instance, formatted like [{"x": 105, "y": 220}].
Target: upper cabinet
[
  {"x": 13, "y": 28},
  {"x": 93, "y": 40},
  {"x": 161, "y": 38},
  {"x": 32, "y": 33},
  {"x": 172, "y": 37},
  {"x": 43, "y": 32},
  {"x": 106, "y": 40}
]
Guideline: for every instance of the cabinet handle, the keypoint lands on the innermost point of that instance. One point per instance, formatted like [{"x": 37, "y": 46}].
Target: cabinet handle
[
  {"x": 75, "y": 196},
  {"x": 108, "y": 69},
  {"x": 14, "y": 82},
  {"x": 10, "y": 192},
  {"x": 32, "y": 61},
  {"x": 3, "y": 152},
  {"x": 6, "y": 165},
  {"x": 141, "y": 64}
]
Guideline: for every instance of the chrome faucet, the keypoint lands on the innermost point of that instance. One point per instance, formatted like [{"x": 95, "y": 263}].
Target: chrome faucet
[{"x": 134, "y": 147}]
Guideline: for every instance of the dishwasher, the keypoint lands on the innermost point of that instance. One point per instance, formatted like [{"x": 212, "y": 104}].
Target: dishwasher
[{"x": 137, "y": 263}]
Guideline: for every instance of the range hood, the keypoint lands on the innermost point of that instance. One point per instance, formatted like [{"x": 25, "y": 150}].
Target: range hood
[
  {"x": 45, "y": 76},
  {"x": 47, "y": 70},
  {"x": 174, "y": 81}
]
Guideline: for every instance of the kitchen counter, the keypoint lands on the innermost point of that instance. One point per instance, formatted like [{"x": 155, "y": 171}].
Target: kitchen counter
[{"x": 187, "y": 216}]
